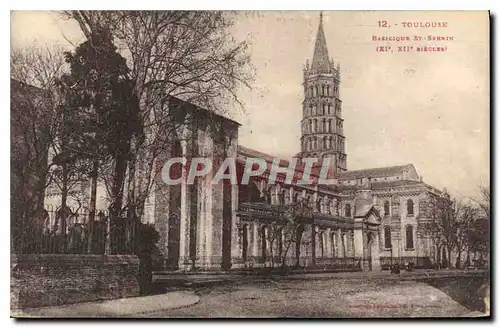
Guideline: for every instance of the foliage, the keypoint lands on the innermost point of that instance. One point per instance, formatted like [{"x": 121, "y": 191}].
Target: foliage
[
  {"x": 99, "y": 114},
  {"x": 172, "y": 55},
  {"x": 146, "y": 238}
]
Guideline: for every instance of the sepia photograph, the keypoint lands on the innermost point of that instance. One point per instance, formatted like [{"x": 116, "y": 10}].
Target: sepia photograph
[{"x": 250, "y": 164}]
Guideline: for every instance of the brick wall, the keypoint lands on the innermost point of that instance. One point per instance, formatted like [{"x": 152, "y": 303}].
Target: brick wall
[{"x": 55, "y": 279}]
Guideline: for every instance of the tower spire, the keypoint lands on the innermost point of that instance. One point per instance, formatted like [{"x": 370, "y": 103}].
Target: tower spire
[
  {"x": 320, "y": 57},
  {"x": 322, "y": 124}
]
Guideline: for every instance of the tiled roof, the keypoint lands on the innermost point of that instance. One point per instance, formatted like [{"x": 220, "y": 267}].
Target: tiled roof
[
  {"x": 384, "y": 184},
  {"x": 247, "y": 152},
  {"x": 363, "y": 206},
  {"x": 254, "y": 153},
  {"x": 379, "y": 172}
]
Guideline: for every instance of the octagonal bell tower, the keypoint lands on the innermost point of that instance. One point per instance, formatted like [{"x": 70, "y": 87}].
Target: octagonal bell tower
[{"x": 322, "y": 123}]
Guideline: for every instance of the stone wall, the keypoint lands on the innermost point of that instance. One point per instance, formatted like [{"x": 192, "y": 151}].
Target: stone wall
[{"x": 56, "y": 279}]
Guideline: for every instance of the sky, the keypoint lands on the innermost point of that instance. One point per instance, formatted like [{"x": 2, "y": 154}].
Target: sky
[{"x": 430, "y": 109}]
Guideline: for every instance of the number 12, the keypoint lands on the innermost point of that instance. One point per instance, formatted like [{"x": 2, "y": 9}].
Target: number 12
[{"x": 382, "y": 23}]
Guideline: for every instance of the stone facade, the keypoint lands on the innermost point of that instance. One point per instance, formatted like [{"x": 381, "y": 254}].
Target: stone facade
[{"x": 195, "y": 221}]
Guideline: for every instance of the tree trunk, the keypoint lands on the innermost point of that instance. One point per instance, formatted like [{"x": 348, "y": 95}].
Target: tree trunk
[
  {"x": 64, "y": 199},
  {"x": 449, "y": 257},
  {"x": 118, "y": 182},
  {"x": 443, "y": 257},
  {"x": 285, "y": 253},
  {"x": 297, "y": 245},
  {"x": 457, "y": 262},
  {"x": 131, "y": 188},
  {"x": 93, "y": 200},
  {"x": 438, "y": 256}
]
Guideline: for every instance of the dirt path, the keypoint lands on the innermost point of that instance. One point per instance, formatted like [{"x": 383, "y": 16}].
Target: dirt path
[{"x": 338, "y": 298}]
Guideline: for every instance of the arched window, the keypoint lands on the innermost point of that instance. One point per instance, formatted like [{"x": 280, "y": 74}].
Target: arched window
[
  {"x": 324, "y": 125},
  {"x": 265, "y": 243},
  {"x": 324, "y": 142},
  {"x": 282, "y": 197},
  {"x": 409, "y": 237},
  {"x": 347, "y": 210},
  {"x": 329, "y": 126},
  {"x": 324, "y": 109},
  {"x": 316, "y": 91},
  {"x": 329, "y": 109},
  {"x": 322, "y": 243},
  {"x": 263, "y": 240},
  {"x": 322, "y": 89},
  {"x": 272, "y": 196},
  {"x": 387, "y": 237},
  {"x": 244, "y": 232},
  {"x": 310, "y": 126},
  {"x": 280, "y": 242},
  {"x": 311, "y": 92},
  {"x": 330, "y": 143},
  {"x": 314, "y": 110},
  {"x": 315, "y": 126},
  {"x": 333, "y": 239},
  {"x": 386, "y": 208},
  {"x": 409, "y": 207},
  {"x": 328, "y": 90}
]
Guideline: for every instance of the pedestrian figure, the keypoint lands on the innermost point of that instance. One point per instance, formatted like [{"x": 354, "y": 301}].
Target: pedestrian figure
[{"x": 395, "y": 269}]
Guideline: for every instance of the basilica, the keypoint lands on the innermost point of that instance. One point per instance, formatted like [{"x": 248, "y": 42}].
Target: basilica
[{"x": 366, "y": 220}]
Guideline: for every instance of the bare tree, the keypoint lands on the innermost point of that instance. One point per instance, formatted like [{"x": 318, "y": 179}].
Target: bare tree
[
  {"x": 464, "y": 232},
  {"x": 38, "y": 66},
  {"x": 479, "y": 236},
  {"x": 286, "y": 230},
  {"x": 34, "y": 71},
  {"x": 441, "y": 226},
  {"x": 484, "y": 200},
  {"x": 172, "y": 55}
]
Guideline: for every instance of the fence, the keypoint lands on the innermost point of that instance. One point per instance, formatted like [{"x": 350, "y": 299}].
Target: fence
[
  {"x": 418, "y": 262},
  {"x": 340, "y": 263},
  {"x": 60, "y": 231}
]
